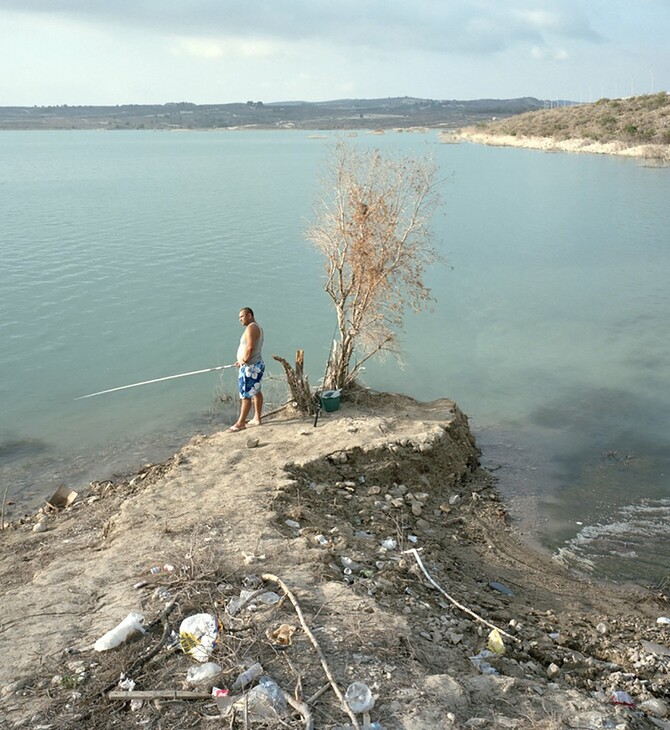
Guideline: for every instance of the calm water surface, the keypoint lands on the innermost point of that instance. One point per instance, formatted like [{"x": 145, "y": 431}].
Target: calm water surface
[{"x": 126, "y": 256}]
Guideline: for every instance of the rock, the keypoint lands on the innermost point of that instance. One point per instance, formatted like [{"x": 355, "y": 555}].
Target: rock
[
  {"x": 553, "y": 671},
  {"x": 592, "y": 720},
  {"x": 654, "y": 648},
  {"x": 450, "y": 692},
  {"x": 41, "y": 526},
  {"x": 655, "y": 707},
  {"x": 603, "y": 628}
]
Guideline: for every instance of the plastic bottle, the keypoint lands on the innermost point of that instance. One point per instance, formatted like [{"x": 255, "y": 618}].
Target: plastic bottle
[
  {"x": 268, "y": 687},
  {"x": 247, "y": 677},
  {"x": 130, "y": 625},
  {"x": 359, "y": 698}
]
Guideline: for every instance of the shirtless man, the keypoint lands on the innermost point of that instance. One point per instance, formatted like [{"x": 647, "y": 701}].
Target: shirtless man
[{"x": 251, "y": 369}]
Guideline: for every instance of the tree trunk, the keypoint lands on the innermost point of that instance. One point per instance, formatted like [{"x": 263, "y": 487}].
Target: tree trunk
[{"x": 298, "y": 383}]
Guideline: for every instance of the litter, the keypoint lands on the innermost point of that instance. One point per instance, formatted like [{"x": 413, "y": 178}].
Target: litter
[
  {"x": 622, "y": 698},
  {"x": 479, "y": 661},
  {"x": 281, "y": 637},
  {"x": 265, "y": 701},
  {"x": 247, "y": 676},
  {"x": 495, "y": 642},
  {"x": 202, "y": 673},
  {"x": 63, "y": 497},
  {"x": 198, "y": 635},
  {"x": 359, "y": 697},
  {"x": 131, "y": 624}
]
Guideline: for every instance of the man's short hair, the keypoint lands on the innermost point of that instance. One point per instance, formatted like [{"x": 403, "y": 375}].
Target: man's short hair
[{"x": 247, "y": 310}]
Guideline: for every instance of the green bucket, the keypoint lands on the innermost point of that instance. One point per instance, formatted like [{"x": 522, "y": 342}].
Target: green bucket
[{"x": 330, "y": 400}]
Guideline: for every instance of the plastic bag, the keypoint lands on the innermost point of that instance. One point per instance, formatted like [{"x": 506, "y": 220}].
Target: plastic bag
[{"x": 198, "y": 635}]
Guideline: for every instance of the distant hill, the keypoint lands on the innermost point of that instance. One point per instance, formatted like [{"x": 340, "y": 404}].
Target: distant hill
[
  {"x": 396, "y": 112},
  {"x": 634, "y": 121}
]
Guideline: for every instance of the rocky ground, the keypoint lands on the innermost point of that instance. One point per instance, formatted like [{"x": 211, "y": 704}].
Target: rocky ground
[{"x": 370, "y": 548}]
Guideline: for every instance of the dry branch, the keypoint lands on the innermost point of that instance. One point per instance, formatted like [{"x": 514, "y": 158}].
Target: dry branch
[
  {"x": 415, "y": 552},
  {"x": 274, "y": 579}
]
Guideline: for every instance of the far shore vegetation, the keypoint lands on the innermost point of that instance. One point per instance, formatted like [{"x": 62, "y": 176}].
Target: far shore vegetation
[{"x": 636, "y": 120}]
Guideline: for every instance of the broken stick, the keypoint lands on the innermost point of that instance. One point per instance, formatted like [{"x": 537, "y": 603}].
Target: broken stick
[{"x": 315, "y": 643}]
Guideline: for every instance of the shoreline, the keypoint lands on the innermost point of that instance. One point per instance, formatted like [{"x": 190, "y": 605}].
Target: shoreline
[
  {"x": 659, "y": 154},
  {"x": 225, "y": 508}
]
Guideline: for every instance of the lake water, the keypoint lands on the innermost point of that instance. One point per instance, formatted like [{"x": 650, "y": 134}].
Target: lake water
[{"x": 127, "y": 256}]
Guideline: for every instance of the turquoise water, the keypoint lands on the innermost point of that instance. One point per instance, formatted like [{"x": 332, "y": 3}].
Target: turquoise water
[{"x": 126, "y": 256}]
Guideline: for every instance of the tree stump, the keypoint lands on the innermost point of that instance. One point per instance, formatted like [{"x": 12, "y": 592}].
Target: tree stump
[{"x": 298, "y": 383}]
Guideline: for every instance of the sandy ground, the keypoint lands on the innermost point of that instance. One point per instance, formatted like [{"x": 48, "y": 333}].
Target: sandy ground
[
  {"x": 330, "y": 511},
  {"x": 659, "y": 154}
]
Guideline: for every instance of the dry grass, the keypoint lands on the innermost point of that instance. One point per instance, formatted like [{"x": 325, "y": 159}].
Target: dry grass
[{"x": 635, "y": 120}]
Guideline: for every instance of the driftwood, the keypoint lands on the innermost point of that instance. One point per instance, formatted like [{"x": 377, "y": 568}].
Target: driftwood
[
  {"x": 298, "y": 383},
  {"x": 315, "y": 643}
]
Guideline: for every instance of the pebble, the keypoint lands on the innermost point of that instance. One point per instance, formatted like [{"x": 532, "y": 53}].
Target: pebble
[
  {"x": 41, "y": 526},
  {"x": 553, "y": 670},
  {"x": 663, "y": 620}
]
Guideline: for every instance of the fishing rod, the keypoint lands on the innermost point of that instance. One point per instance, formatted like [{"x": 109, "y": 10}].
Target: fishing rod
[{"x": 157, "y": 380}]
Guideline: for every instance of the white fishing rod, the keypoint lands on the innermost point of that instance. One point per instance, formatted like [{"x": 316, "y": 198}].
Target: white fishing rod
[{"x": 157, "y": 380}]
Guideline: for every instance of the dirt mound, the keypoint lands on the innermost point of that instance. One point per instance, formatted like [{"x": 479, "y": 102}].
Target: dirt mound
[{"x": 370, "y": 549}]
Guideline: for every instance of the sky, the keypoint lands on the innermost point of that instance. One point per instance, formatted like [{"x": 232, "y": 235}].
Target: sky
[{"x": 108, "y": 52}]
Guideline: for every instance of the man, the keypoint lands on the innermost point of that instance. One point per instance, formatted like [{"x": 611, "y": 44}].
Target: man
[{"x": 251, "y": 369}]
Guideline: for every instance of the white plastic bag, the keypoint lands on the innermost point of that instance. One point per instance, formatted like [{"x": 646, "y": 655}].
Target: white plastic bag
[
  {"x": 198, "y": 635},
  {"x": 203, "y": 673}
]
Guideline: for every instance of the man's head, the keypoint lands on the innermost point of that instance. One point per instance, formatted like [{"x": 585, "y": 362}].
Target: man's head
[{"x": 246, "y": 316}]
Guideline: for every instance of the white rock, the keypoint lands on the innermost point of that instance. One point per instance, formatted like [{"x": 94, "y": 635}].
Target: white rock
[
  {"x": 655, "y": 707},
  {"x": 553, "y": 670},
  {"x": 41, "y": 527}
]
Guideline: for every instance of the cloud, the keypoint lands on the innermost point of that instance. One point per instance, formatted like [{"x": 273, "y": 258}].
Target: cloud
[
  {"x": 457, "y": 26},
  {"x": 208, "y": 48}
]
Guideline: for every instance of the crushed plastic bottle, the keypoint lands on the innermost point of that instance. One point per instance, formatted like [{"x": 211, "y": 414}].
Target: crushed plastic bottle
[
  {"x": 131, "y": 624},
  {"x": 359, "y": 698},
  {"x": 265, "y": 701},
  {"x": 247, "y": 677}
]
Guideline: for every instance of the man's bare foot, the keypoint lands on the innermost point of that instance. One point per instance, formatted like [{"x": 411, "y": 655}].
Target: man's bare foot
[
  {"x": 234, "y": 428},
  {"x": 253, "y": 422}
]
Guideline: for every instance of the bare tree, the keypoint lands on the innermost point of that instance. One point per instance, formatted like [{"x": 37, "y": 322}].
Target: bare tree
[{"x": 371, "y": 226}]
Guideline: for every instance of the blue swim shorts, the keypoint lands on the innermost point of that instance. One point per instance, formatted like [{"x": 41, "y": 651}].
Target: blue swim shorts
[{"x": 249, "y": 379}]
